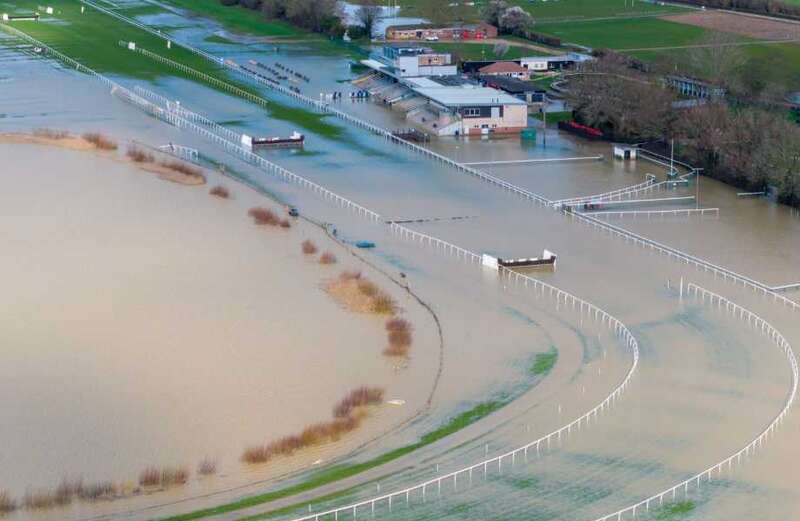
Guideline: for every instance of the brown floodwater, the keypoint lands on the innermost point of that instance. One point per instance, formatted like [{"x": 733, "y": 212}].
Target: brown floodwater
[{"x": 147, "y": 323}]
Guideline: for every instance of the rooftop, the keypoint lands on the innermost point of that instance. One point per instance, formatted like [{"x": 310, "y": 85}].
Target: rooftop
[
  {"x": 467, "y": 96},
  {"x": 511, "y": 85},
  {"x": 503, "y": 67}
]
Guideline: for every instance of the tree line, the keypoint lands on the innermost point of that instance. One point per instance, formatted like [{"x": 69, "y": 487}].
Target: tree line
[{"x": 749, "y": 143}]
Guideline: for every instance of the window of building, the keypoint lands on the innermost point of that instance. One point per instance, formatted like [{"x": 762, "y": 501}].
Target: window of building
[{"x": 472, "y": 112}]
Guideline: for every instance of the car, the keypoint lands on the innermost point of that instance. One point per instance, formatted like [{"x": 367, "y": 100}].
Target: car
[
  {"x": 433, "y": 38},
  {"x": 294, "y": 212}
]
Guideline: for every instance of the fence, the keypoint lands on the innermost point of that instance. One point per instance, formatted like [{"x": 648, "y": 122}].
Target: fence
[
  {"x": 686, "y": 258},
  {"x": 483, "y": 468},
  {"x": 685, "y": 212},
  {"x": 182, "y": 152},
  {"x": 184, "y": 113},
  {"x": 777, "y": 338},
  {"x": 612, "y": 195}
]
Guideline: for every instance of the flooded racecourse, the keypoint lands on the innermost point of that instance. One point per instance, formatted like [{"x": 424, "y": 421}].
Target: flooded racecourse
[{"x": 146, "y": 323}]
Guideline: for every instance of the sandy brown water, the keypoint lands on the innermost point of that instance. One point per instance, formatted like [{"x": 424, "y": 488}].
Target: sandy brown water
[{"x": 146, "y": 323}]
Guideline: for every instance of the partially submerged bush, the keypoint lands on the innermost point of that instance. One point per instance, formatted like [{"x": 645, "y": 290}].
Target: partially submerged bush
[
  {"x": 357, "y": 398},
  {"x": 207, "y": 467},
  {"x": 327, "y": 258},
  {"x": 383, "y": 304},
  {"x": 49, "y": 133},
  {"x": 350, "y": 275},
  {"x": 165, "y": 477},
  {"x": 137, "y": 155},
  {"x": 220, "y": 191},
  {"x": 98, "y": 491},
  {"x": 308, "y": 247},
  {"x": 7, "y": 503},
  {"x": 343, "y": 422},
  {"x": 183, "y": 168},
  {"x": 263, "y": 216},
  {"x": 100, "y": 141}
]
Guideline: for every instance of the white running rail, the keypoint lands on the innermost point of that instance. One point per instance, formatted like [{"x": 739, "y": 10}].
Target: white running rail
[
  {"x": 778, "y": 339},
  {"x": 482, "y": 468},
  {"x": 685, "y": 212}
]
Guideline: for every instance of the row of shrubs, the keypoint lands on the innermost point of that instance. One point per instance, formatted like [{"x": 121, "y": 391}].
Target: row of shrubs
[
  {"x": 346, "y": 418},
  {"x": 98, "y": 140},
  {"x": 72, "y": 490},
  {"x": 139, "y": 155}
]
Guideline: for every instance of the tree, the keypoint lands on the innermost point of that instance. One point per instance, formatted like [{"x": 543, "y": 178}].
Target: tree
[
  {"x": 716, "y": 58},
  {"x": 515, "y": 20},
  {"x": 492, "y": 12},
  {"x": 368, "y": 15}
]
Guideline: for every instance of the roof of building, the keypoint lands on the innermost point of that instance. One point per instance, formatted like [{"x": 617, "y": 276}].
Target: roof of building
[
  {"x": 511, "y": 85},
  {"x": 469, "y": 96},
  {"x": 571, "y": 57},
  {"x": 411, "y": 27},
  {"x": 502, "y": 68}
]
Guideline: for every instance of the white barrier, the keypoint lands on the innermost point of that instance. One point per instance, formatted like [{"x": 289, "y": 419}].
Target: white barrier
[
  {"x": 685, "y": 212},
  {"x": 685, "y": 258},
  {"x": 778, "y": 339},
  {"x": 482, "y": 468}
]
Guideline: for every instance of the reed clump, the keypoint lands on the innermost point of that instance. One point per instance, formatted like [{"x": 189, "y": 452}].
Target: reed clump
[
  {"x": 399, "y": 333},
  {"x": 163, "y": 477},
  {"x": 7, "y": 503},
  {"x": 360, "y": 294},
  {"x": 49, "y": 133},
  {"x": 359, "y": 397},
  {"x": 207, "y": 467},
  {"x": 345, "y": 420},
  {"x": 98, "y": 491},
  {"x": 100, "y": 141},
  {"x": 138, "y": 155},
  {"x": 266, "y": 217},
  {"x": 220, "y": 191},
  {"x": 308, "y": 247},
  {"x": 183, "y": 168},
  {"x": 327, "y": 258}
]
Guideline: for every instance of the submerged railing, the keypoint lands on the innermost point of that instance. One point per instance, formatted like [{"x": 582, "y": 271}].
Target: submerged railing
[{"x": 763, "y": 327}]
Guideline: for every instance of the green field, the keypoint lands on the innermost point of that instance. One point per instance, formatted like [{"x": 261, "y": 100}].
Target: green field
[
  {"x": 562, "y": 9},
  {"x": 92, "y": 39},
  {"x": 239, "y": 19},
  {"x": 629, "y": 33}
]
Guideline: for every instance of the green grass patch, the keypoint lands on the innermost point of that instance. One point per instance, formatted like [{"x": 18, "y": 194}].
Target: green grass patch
[
  {"x": 92, "y": 38},
  {"x": 239, "y": 19},
  {"x": 543, "y": 363},
  {"x": 215, "y": 38},
  {"x": 553, "y": 118},
  {"x": 631, "y": 33},
  {"x": 340, "y": 472},
  {"x": 675, "y": 510}
]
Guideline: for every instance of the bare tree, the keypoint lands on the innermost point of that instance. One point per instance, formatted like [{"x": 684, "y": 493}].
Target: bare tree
[
  {"x": 368, "y": 14},
  {"x": 436, "y": 11},
  {"x": 716, "y": 58},
  {"x": 493, "y": 10}
]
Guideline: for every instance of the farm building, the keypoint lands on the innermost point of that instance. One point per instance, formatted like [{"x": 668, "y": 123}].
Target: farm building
[
  {"x": 505, "y": 69},
  {"x": 479, "y": 31}
]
